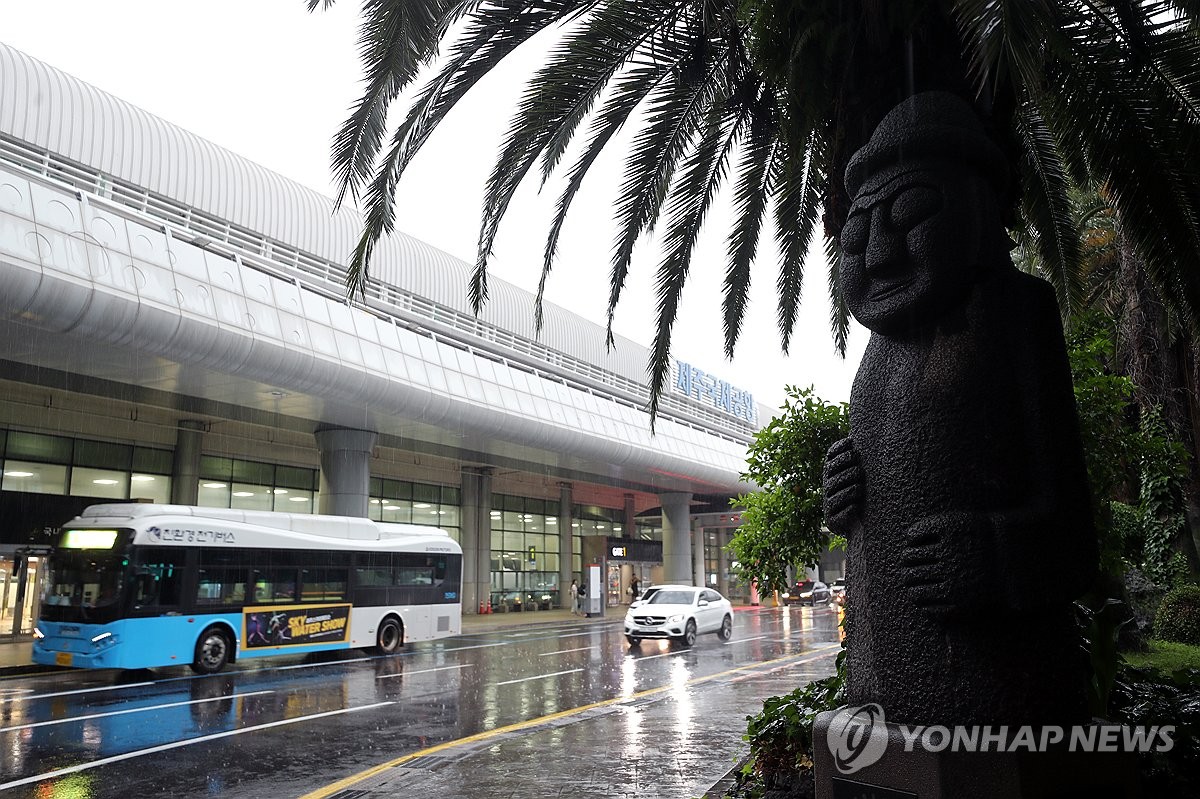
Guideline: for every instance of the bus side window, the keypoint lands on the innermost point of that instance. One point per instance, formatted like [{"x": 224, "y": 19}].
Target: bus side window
[
  {"x": 221, "y": 585},
  {"x": 158, "y": 577}
]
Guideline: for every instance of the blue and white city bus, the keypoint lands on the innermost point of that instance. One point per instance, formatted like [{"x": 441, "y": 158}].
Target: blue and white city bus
[{"x": 133, "y": 586}]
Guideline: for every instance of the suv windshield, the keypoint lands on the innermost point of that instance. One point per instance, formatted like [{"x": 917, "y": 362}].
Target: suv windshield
[{"x": 672, "y": 598}]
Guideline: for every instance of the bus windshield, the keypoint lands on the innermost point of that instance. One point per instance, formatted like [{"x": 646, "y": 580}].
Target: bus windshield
[{"x": 84, "y": 579}]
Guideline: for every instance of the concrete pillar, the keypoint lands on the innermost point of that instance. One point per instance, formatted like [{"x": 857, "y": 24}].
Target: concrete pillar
[
  {"x": 677, "y": 537},
  {"x": 476, "y": 531},
  {"x": 629, "y": 528},
  {"x": 566, "y": 545},
  {"x": 345, "y": 470},
  {"x": 698, "y": 555},
  {"x": 185, "y": 463}
]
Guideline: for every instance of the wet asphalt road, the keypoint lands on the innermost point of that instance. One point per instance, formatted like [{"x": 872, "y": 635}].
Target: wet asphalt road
[{"x": 559, "y": 710}]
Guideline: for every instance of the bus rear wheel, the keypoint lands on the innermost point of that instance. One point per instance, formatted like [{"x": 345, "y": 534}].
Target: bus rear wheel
[
  {"x": 212, "y": 651},
  {"x": 390, "y": 636}
]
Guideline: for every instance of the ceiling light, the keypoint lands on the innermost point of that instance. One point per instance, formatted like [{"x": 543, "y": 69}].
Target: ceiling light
[
  {"x": 298, "y": 499},
  {"x": 105, "y": 481},
  {"x": 18, "y": 474},
  {"x": 243, "y": 493},
  {"x": 214, "y": 485},
  {"x": 422, "y": 505},
  {"x": 279, "y": 491},
  {"x": 142, "y": 478}
]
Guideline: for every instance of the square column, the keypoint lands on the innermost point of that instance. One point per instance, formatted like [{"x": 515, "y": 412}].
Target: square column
[{"x": 566, "y": 545}]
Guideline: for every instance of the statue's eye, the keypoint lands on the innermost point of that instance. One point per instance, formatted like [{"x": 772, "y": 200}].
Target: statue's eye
[
  {"x": 913, "y": 206},
  {"x": 855, "y": 232}
]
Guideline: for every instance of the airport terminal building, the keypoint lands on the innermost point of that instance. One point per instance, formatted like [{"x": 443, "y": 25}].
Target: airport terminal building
[{"x": 175, "y": 328}]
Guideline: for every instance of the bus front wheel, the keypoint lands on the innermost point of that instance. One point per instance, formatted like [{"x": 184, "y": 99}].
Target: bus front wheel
[
  {"x": 212, "y": 651},
  {"x": 390, "y": 636}
]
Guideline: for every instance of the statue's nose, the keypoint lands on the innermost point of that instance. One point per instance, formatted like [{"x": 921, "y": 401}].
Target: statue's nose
[{"x": 885, "y": 246}]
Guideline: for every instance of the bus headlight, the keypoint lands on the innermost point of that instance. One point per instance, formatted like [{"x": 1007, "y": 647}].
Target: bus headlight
[
  {"x": 38, "y": 634},
  {"x": 103, "y": 639}
]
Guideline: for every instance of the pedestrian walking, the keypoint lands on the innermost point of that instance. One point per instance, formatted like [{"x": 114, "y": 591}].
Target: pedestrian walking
[
  {"x": 634, "y": 589},
  {"x": 574, "y": 597}
]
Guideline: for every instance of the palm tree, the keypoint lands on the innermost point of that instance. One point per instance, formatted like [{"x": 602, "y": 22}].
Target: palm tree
[{"x": 771, "y": 98}]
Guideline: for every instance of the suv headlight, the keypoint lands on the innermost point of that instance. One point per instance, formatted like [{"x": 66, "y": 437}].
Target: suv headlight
[{"x": 678, "y": 617}]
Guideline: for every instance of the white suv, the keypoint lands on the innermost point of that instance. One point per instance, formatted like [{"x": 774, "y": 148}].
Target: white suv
[{"x": 680, "y": 612}]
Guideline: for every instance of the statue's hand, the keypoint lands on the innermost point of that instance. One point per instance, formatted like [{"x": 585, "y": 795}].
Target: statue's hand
[
  {"x": 844, "y": 484},
  {"x": 944, "y": 564}
]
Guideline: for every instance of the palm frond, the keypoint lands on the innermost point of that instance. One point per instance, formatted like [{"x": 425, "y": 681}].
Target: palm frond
[{"x": 704, "y": 170}]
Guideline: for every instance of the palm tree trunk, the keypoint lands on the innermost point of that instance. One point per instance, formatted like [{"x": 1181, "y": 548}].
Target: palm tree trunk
[{"x": 1161, "y": 359}]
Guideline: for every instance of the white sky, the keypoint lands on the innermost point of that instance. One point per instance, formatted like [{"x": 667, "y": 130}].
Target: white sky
[{"x": 271, "y": 82}]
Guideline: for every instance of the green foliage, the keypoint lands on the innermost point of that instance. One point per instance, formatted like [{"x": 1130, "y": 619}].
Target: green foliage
[
  {"x": 1165, "y": 656},
  {"x": 782, "y": 522},
  {"x": 1128, "y": 453},
  {"x": 1100, "y": 629},
  {"x": 1178, "y": 617},
  {"x": 1153, "y": 698},
  {"x": 780, "y": 736}
]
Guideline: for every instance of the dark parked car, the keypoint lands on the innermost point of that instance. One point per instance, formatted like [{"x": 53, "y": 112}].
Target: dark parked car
[{"x": 807, "y": 592}]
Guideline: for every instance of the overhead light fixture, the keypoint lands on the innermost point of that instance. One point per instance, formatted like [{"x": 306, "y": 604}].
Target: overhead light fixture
[
  {"x": 18, "y": 474},
  {"x": 279, "y": 491},
  {"x": 422, "y": 505},
  {"x": 142, "y": 478},
  {"x": 214, "y": 485},
  {"x": 243, "y": 493},
  {"x": 298, "y": 499},
  {"x": 105, "y": 481}
]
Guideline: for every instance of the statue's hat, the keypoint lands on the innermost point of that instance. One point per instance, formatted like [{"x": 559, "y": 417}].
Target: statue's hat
[{"x": 930, "y": 125}]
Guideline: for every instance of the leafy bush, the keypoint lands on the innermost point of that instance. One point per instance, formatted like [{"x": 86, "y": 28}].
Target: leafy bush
[
  {"x": 1178, "y": 617},
  {"x": 781, "y": 742},
  {"x": 1151, "y": 698}
]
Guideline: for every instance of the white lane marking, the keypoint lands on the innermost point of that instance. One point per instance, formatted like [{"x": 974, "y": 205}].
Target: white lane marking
[
  {"x": 523, "y": 679},
  {"x": 79, "y": 691},
  {"x": 132, "y": 710},
  {"x": 50, "y": 775},
  {"x": 315, "y": 665},
  {"x": 652, "y": 657},
  {"x": 15, "y": 691},
  {"x": 423, "y": 671},
  {"x": 564, "y": 651},
  {"x": 477, "y": 646},
  {"x": 745, "y": 640}
]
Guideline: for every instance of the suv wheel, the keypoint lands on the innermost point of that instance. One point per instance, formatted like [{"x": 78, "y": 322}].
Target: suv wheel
[
  {"x": 689, "y": 633},
  {"x": 726, "y": 631}
]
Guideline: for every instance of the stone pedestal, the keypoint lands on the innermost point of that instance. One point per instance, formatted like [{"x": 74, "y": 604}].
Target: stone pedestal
[{"x": 922, "y": 774}]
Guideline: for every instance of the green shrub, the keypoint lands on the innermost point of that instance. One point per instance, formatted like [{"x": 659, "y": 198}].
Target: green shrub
[
  {"x": 1178, "y": 617},
  {"x": 781, "y": 742}
]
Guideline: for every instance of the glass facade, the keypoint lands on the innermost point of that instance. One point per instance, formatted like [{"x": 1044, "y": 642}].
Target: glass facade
[
  {"x": 524, "y": 553},
  {"x": 251, "y": 485},
  {"x": 416, "y": 503},
  {"x": 37, "y": 463}
]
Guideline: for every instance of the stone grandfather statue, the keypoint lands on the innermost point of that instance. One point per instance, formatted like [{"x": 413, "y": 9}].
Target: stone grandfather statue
[{"x": 961, "y": 489}]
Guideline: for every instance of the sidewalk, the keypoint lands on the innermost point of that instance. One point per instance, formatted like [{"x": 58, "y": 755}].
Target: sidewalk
[{"x": 16, "y": 656}]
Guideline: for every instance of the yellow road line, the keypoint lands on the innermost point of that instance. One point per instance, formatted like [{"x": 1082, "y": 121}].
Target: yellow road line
[{"x": 353, "y": 779}]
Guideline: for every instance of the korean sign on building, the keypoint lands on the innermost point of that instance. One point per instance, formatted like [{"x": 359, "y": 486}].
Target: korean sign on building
[{"x": 711, "y": 390}]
